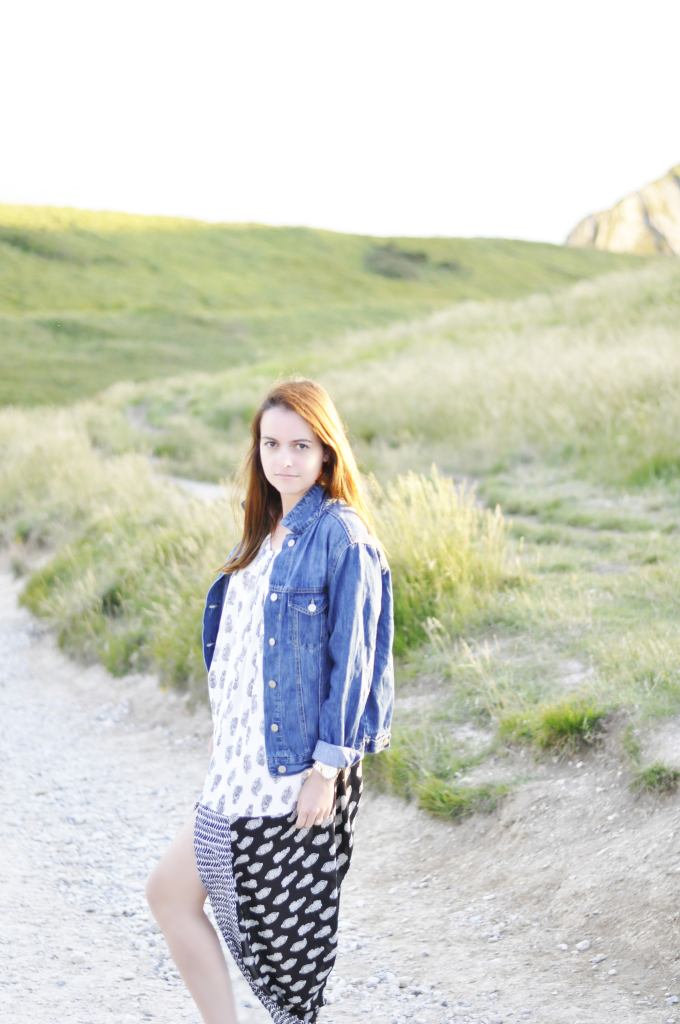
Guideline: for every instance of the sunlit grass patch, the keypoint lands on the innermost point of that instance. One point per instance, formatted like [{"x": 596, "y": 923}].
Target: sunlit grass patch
[
  {"x": 656, "y": 778},
  {"x": 451, "y": 802},
  {"x": 560, "y": 726},
  {"x": 87, "y": 298}
]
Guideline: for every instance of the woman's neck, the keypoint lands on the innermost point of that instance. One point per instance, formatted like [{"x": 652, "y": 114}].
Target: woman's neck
[{"x": 289, "y": 501}]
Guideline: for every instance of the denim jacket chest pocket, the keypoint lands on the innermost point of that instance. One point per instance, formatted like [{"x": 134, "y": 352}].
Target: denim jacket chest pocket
[{"x": 308, "y": 619}]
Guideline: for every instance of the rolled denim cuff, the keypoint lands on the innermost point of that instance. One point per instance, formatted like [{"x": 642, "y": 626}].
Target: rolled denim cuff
[{"x": 335, "y": 757}]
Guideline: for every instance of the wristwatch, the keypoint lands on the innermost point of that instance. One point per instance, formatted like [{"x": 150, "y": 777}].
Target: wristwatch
[{"x": 326, "y": 770}]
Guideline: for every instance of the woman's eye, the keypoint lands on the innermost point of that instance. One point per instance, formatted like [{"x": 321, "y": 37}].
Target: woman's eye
[{"x": 303, "y": 446}]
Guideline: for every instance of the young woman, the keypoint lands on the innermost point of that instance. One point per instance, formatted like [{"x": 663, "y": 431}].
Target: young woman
[{"x": 297, "y": 636}]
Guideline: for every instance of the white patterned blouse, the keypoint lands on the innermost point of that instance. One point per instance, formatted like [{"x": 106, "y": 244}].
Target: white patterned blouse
[{"x": 238, "y": 781}]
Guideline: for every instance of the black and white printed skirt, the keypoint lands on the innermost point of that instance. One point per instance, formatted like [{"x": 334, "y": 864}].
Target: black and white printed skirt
[{"x": 275, "y": 890}]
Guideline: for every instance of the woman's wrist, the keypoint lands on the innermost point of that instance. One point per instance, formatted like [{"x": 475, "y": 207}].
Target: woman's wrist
[{"x": 326, "y": 771}]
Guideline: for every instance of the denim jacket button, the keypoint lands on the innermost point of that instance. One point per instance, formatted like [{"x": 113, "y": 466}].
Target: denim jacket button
[
  {"x": 274, "y": 597},
  {"x": 282, "y": 769},
  {"x": 291, "y": 543},
  {"x": 275, "y": 727},
  {"x": 272, "y": 641},
  {"x": 272, "y": 683}
]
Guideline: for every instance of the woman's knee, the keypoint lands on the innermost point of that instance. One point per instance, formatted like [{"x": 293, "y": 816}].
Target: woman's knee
[
  {"x": 158, "y": 890},
  {"x": 165, "y": 890},
  {"x": 174, "y": 885}
]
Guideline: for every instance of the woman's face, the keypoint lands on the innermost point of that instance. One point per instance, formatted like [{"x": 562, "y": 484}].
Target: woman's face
[{"x": 291, "y": 453}]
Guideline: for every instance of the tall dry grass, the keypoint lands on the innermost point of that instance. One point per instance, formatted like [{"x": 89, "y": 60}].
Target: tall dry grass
[
  {"x": 54, "y": 475},
  {"x": 447, "y": 554},
  {"x": 133, "y": 556},
  {"x": 588, "y": 376}
]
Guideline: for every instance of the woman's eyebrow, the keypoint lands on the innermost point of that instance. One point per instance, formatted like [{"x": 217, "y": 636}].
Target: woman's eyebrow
[{"x": 295, "y": 440}]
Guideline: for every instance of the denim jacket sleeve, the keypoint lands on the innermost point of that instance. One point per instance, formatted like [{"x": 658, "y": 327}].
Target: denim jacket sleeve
[{"x": 355, "y": 591}]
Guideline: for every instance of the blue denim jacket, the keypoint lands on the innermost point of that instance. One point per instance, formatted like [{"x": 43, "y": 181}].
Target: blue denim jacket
[{"x": 328, "y": 620}]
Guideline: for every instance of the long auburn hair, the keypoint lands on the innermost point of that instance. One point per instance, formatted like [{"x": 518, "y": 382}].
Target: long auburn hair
[{"x": 339, "y": 474}]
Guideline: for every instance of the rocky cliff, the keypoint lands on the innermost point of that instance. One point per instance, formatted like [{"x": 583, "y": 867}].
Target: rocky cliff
[{"x": 645, "y": 222}]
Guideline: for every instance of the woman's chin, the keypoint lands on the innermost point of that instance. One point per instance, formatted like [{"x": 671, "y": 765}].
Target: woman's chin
[{"x": 296, "y": 486}]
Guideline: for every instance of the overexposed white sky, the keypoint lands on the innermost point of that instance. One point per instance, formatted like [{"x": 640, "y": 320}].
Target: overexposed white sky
[{"x": 374, "y": 116}]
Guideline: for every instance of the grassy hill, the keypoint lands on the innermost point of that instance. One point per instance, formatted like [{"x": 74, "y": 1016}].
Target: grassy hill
[
  {"x": 87, "y": 299},
  {"x": 587, "y": 375},
  {"x": 565, "y": 407}
]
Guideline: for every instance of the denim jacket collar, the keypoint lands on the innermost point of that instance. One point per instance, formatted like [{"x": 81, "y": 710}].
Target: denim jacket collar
[{"x": 307, "y": 510}]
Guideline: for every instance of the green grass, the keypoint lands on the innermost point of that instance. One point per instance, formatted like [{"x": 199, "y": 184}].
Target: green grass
[
  {"x": 563, "y": 725},
  {"x": 587, "y": 377},
  {"x": 656, "y": 778},
  {"x": 512, "y": 633},
  {"x": 592, "y": 628},
  {"x": 422, "y": 764},
  {"x": 451, "y": 802},
  {"x": 446, "y": 555},
  {"x": 134, "y": 557},
  {"x": 88, "y": 299},
  {"x": 129, "y": 591},
  {"x": 631, "y": 746}
]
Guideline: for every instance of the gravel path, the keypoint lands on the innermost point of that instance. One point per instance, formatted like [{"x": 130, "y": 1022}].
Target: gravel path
[{"x": 560, "y": 907}]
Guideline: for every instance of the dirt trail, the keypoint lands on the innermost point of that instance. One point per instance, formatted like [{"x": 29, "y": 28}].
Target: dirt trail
[{"x": 476, "y": 922}]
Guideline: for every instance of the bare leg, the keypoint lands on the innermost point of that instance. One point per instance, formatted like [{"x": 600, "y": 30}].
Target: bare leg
[{"x": 176, "y": 896}]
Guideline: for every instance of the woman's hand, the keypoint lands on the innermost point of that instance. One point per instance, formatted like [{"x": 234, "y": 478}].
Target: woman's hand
[{"x": 316, "y": 801}]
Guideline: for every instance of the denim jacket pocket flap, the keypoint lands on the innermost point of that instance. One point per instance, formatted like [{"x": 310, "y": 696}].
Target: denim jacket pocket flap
[{"x": 310, "y": 603}]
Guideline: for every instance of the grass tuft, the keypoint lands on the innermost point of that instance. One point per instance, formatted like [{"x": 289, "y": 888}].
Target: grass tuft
[
  {"x": 561, "y": 726},
  {"x": 422, "y": 764},
  {"x": 656, "y": 778},
  {"x": 631, "y": 746},
  {"x": 451, "y": 802}
]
